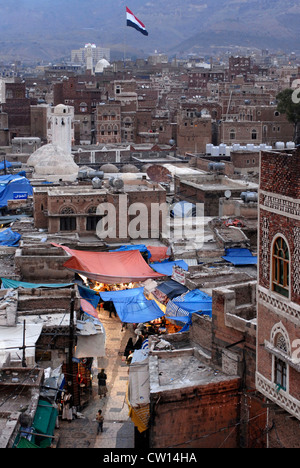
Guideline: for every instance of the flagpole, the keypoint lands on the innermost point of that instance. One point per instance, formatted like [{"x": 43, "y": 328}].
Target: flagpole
[
  {"x": 125, "y": 31},
  {"x": 125, "y": 47}
]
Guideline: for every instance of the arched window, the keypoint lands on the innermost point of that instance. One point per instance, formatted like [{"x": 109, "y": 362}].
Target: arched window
[
  {"x": 281, "y": 343},
  {"x": 67, "y": 210},
  {"x": 83, "y": 107},
  {"x": 281, "y": 267}
]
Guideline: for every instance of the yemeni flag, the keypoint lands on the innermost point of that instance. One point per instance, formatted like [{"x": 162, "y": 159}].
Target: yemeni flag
[{"x": 134, "y": 22}]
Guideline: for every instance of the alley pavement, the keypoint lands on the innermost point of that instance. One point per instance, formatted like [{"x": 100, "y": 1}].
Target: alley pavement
[{"x": 118, "y": 429}]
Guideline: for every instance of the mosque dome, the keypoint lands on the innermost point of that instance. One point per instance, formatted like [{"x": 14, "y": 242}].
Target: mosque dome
[
  {"x": 101, "y": 65},
  {"x": 109, "y": 168},
  {"x": 52, "y": 163},
  {"x": 130, "y": 168}
]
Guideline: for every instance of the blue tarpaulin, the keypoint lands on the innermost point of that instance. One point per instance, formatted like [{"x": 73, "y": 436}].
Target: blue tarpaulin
[
  {"x": 172, "y": 289},
  {"x": 183, "y": 307},
  {"x": 121, "y": 296},
  {"x": 195, "y": 301},
  {"x": 132, "y": 306},
  {"x": 138, "y": 309},
  {"x": 240, "y": 257},
  {"x": 8, "y": 238},
  {"x": 89, "y": 295},
  {"x": 12, "y": 187},
  {"x": 7, "y": 165},
  {"x": 12, "y": 284},
  {"x": 141, "y": 248},
  {"x": 166, "y": 268}
]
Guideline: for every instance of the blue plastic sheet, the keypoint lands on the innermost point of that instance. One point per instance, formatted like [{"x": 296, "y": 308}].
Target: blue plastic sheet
[
  {"x": 89, "y": 295},
  {"x": 184, "y": 306},
  {"x": 166, "y": 268},
  {"x": 138, "y": 309},
  {"x": 8, "y": 238},
  {"x": 172, "y": 289},
  {"x": 7, "y": 165},
  {"x": 12, "y": 185},
  {"x": 121, "y": 296},
  {"x": 239, "y": 257},
  {"x": 142, "y": 248},
  {"x": 132, "y": 306},
  {"x": 194, "y": 301}
]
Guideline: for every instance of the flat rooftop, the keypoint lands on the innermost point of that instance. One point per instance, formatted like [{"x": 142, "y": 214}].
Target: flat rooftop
[{"x": 177, "y": 369}]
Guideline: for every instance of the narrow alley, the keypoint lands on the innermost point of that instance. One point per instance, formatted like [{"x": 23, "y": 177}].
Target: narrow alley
[{"x": 118, "y": 429}]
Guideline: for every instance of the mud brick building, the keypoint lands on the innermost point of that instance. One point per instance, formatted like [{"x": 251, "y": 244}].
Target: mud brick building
[
  {"x": 74, "y": 209},
  {"x": 108, "y": 123},
  {"x": 239, "y": 66},
  {"x": 17, "y": 107},
  {"x": 194, "y": 131},
  {"x": 278, "y": 311},
  {"x": 84, "y": 97}
]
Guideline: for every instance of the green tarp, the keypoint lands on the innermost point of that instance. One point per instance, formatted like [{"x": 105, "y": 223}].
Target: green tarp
[
  {"x": 12, "y": 284},
  {"x": 44, "y": 421},
  {"x": 25, "y": 443}
]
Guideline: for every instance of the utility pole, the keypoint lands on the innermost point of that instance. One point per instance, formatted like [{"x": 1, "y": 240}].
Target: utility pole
[
  {"x": 71, "y": 339},
  {"x": 24, "y": 347}
]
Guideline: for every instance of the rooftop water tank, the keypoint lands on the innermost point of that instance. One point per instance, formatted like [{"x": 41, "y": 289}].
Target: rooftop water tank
[
  {"x": 222, "y": 148},
  {"x": 216, "y": 166},
  {"x": 228, "y": 150},
  {"x": 248, "y": 197},
  {"x": 215, "y": 151}
]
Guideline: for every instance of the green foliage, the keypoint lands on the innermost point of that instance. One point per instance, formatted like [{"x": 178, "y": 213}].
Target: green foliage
[{"x": 287, "y": 106}]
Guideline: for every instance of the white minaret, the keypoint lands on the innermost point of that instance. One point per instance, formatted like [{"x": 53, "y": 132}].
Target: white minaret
[
  {"x": 61, "y": 127},
  {"x": 89, "y": 58}
]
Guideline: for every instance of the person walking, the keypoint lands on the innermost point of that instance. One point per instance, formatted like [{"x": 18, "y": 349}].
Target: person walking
[
  {"x": 67, "y": 407},
  {"x": 102, "y": 387},
  {"x": 100, "y": 420}
]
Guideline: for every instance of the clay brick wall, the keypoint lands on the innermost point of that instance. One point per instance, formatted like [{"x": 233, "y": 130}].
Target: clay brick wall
[
  {"x": 279, "y": 216},
  {"x": 280, "y": 173},
  {"x": 197, "y": 417},
  {"x": 283, "y": 431},
  {"x": 224, "y": 335},
  {"x": 193, "y": 135},
  {"x": 245, "y": 159},
  {"x": 40, "y": 205}
]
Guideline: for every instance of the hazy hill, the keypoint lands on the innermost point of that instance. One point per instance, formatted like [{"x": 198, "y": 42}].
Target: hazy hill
[{"x": 49, "y": 29}]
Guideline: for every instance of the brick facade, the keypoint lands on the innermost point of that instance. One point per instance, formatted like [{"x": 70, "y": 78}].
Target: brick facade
[{"x": 278, "y": 312}]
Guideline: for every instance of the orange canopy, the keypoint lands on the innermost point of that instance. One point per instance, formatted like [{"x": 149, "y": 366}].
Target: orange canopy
[
  {"x": 158, "y": 253},
  {"x": 110, "y": 267}
]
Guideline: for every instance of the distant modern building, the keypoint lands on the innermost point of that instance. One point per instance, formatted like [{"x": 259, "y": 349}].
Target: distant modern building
[{"x": 98, "y": 53}]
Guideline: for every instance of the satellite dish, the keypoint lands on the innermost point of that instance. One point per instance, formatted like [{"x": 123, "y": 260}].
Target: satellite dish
[
  {"x": 227, "y": 194},
  {"x": 158, "y": 173}
]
